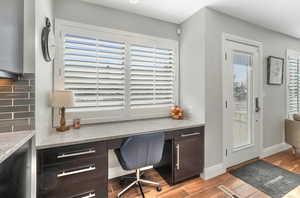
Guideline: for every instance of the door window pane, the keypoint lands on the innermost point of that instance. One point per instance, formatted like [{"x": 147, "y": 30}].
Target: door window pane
[{"x": 242, "y": 97}]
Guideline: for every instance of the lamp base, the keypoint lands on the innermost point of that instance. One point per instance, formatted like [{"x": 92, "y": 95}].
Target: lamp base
[{"x": 63, "y": 128}]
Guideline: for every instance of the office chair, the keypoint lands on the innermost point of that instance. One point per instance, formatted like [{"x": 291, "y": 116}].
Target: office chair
[{"x": 138, "y": 152}]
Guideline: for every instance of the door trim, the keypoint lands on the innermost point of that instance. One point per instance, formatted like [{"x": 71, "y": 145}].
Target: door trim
[{"x": 259, "y": 45}]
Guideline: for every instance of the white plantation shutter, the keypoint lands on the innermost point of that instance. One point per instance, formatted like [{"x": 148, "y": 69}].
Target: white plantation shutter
[
  {"x": 293, "y": 84},
  {"x": 114, "y": 75},
  {"x": 152, "y": 76},
  {"x": 94, "y": 71}
]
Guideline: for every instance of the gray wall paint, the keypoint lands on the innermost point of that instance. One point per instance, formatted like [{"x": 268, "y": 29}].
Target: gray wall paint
[
  {"x": 192, "y": 70},
  {"x": 97, "y": 15},
  {"x": 274, "y": 44},
  {"x": 29, "y": 34}
]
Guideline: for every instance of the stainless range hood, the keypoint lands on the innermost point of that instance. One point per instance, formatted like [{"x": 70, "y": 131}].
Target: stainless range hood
[{"x": 11, "y": 38}]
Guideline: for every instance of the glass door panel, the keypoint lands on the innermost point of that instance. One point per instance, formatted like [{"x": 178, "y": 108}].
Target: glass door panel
[{"x": 242, "y": 100}]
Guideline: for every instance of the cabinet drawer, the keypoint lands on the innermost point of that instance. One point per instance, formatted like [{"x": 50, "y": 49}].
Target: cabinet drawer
[
  {"x": 187, "y": 132},
  {"x": 74, "y": 173},
  {"x": 67, "y": 153},
  {"x": 91, "y": 189}
]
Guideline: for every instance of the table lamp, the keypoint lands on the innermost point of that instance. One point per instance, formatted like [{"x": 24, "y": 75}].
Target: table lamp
[{"x": 62, "y": 99}]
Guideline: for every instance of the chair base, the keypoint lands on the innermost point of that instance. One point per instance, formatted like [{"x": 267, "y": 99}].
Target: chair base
[{"x": 139, "y": 182}]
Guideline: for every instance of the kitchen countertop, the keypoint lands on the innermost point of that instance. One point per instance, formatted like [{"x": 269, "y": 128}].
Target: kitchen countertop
[
  {"x": 110, "y": 131},
  {"x": 11, "y": 142}
]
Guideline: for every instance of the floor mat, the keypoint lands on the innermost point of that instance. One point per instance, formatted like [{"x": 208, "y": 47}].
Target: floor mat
[{"x": 270, "y": 179}]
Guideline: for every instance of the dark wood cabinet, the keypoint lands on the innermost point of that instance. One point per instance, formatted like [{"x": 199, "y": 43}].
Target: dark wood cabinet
[
  {"x": 183, "y": 156},
  {"x": 187, "y": 156},
  {"x": 73, "y": 171}
]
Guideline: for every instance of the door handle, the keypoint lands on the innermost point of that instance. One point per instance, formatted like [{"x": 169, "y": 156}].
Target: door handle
[
  {"x": 257, "y": 107},
  {"x": 85, "y": 195},
  {"x": 178, "y": 156},
  {"x": 91, "y": 195}
]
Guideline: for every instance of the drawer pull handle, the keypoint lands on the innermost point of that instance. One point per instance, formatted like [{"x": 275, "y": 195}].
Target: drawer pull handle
[
  {"x": 191, "y": 134},
  {"x": 90, "y": 195},
  {"x": 86, "y": 195},
  {"x": 66, "y": 155},
  {"x": 67, "y": 173},
  {"x": 178, "y": 156}
]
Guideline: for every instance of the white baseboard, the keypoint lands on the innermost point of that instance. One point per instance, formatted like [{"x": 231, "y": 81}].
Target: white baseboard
[
  {"x": 118, "y": 171},
  {"x": 274, "y": 149},
  {"x": 213, "y": 171}
]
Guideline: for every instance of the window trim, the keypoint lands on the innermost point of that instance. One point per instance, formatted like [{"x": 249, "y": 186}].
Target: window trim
[{"x": 63, "y": 25}]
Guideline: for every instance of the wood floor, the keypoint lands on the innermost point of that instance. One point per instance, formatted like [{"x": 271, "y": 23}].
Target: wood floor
[{"x": 199, "y": 188}]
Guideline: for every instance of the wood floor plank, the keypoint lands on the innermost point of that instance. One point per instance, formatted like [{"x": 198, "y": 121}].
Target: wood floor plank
[
  {"x": 200, "y": 185},
  {"x": 244, "y": 190},
  {"x": 233, "y": 182},
  {"x": 175, "y": 193},
  {"x": 259, "y": 194},
  {"x": 212, "y": 192},
  {"x": 294, "y": 193}
]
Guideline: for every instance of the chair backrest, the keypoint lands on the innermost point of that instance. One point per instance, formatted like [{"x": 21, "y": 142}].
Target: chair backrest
[{"x": 142, "y": 151}]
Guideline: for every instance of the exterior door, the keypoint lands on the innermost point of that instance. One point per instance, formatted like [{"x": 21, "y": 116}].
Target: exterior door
[{"x": 241, "y": 112}]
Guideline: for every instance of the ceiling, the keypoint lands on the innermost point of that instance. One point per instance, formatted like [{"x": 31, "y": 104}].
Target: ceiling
[
  {"x": 277, "y": 15},
  {"x": 175, "y": 11}
]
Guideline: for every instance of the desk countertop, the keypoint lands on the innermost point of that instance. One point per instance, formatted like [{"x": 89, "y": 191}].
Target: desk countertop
[
  {"x": 11, "y": 142},
  {"x": 110, "y": 131}
]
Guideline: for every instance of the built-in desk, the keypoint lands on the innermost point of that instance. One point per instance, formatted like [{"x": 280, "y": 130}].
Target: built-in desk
[{"x": 75, "y": 163}]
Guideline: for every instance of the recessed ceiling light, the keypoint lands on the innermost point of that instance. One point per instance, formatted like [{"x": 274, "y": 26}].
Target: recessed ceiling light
[{"x": 134, "y": 1}]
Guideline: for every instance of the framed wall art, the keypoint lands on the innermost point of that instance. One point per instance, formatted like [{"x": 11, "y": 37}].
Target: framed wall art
[{"x": 275, "y": 70}]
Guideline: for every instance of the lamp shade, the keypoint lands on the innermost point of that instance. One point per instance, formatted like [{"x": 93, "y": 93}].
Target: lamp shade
[{"x": 61, "y": 98}]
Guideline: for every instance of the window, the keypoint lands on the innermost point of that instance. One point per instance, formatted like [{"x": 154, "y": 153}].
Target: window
[
  {"x": 293, "y": 83},
  {"x": 115, "y": 75}
]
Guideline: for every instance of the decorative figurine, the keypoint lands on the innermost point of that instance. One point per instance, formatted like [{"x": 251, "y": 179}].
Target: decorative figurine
[{"x": 176, "y": 113}]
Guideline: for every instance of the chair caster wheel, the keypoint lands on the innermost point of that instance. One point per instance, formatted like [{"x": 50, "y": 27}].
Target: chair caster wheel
[{"x": 158, "y": 188}]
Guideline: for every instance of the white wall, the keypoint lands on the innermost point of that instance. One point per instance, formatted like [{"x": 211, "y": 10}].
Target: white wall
[
  {"x": 107, "y": 17},
  {"x": 274, "y": 44},
  {"x": 44, "y": 71},
  {"x": 192, "y": 70}
]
